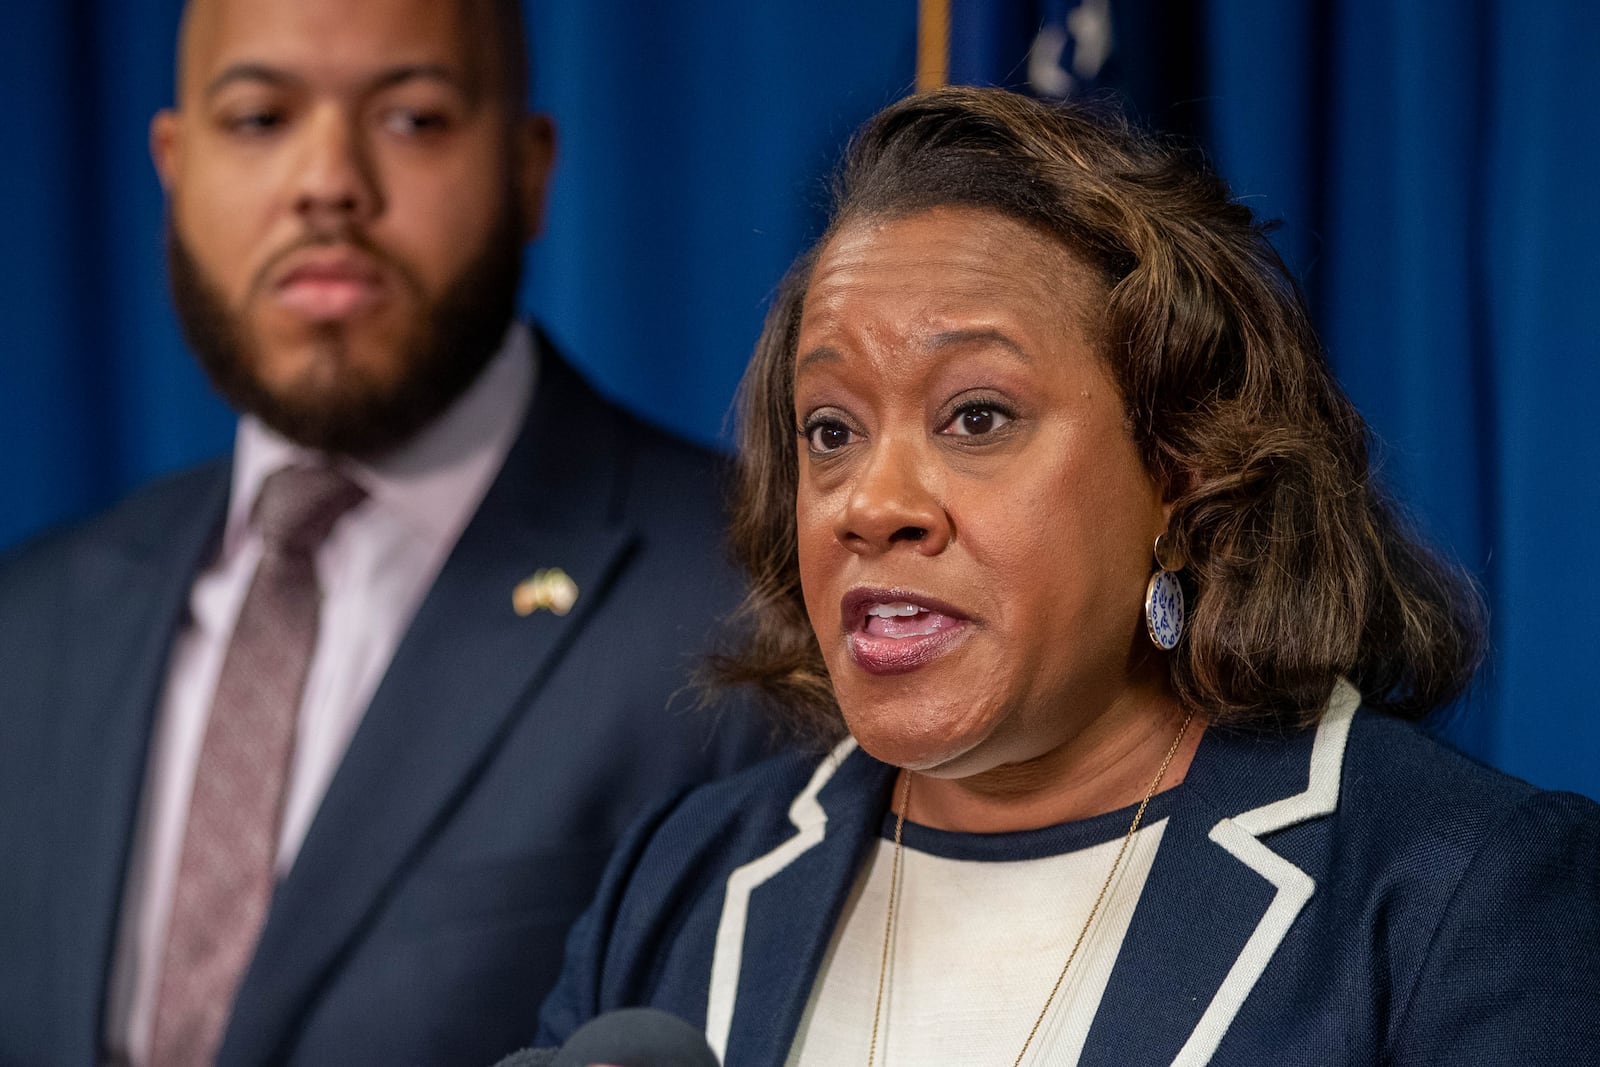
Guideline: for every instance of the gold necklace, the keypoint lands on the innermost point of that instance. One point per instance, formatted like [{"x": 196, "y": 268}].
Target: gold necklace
[{"x": 1105, "y": 887}]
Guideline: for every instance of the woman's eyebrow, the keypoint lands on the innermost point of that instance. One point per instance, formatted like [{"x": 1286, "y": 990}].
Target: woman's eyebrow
[
  {"x": 820, "y": 354},
  {"x": 979, "y": 335}
]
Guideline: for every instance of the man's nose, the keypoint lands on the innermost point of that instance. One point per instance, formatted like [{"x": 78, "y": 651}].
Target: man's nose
[
  {"x": 335, "y": 182},
  {"x": 893, "y": 501}
]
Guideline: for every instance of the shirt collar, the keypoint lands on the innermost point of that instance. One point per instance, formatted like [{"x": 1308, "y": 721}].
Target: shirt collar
[{"x": 433, "y": 482}]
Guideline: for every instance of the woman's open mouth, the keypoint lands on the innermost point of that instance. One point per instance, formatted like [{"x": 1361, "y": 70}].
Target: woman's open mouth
[{"x": 891, "y": 632}]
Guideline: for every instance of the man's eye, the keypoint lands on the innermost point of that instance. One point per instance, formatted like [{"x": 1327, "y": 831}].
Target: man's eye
[
  {"x": 254, "y": 122},
  {"x": 827, "y": 435},
  {"x": 976, "y": 420},
  {"x": 414, "y": 122}
]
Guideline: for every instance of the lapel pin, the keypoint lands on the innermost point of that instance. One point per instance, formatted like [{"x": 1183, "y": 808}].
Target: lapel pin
[{"x": 550, "y": 589}]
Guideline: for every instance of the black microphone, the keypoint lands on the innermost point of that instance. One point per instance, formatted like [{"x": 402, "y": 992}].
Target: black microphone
[
  {"x": 529, "y": 1057},
  {"x": 632, "y": 1037}
]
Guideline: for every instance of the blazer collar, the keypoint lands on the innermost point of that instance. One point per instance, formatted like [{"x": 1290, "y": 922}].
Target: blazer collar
[
  {"x": 1181, "y": 979},
  {"x": 428, "y": 732},
  {"x": 1188, "y": 979},
  {"x": 780, "y": 909},
  {"x": 127, "y": 594}
]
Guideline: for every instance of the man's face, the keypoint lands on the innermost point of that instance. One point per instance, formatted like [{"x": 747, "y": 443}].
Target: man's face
[{"x": 350, "y": 185}]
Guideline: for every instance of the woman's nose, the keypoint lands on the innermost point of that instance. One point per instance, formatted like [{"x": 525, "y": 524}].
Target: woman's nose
[{"x": 893, "y": 502}]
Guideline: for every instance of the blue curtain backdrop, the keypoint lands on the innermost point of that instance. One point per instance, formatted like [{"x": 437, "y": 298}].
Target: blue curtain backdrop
[{"x": 1432, "y": 163}]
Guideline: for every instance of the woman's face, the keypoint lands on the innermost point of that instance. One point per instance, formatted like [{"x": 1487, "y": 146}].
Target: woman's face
[{"x": 975, "y": 525}]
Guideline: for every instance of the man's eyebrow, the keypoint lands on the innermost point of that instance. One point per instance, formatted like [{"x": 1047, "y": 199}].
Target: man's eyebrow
[
  {"x": 438, "y": 72},
  {"x": 388, "y": 79},
  {"x": 247, "y": 72}
]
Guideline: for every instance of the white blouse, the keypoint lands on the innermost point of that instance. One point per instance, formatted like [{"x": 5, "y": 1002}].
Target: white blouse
[{"x": 985, "y": 922}]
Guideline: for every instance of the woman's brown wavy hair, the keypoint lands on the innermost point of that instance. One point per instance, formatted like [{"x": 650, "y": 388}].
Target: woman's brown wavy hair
[{"x": 1299, "y": 569}]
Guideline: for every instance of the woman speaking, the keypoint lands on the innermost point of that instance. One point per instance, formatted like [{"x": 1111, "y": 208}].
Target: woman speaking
[{"x": 1063, "y": 542}]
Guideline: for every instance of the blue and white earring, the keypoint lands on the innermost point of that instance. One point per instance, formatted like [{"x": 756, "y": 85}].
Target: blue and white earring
[{"x": 1163, "y": 597}]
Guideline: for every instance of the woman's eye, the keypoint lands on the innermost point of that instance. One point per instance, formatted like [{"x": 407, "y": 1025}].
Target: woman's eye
[
  {"x": 976, "y": 420},
  {"x": 827, "y": 435}
]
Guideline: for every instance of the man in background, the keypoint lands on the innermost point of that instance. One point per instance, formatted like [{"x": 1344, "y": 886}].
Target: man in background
[{"x": 313, "y": 754}]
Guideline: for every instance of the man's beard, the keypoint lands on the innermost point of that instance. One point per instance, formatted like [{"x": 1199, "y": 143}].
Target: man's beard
[{"x": 452, "y": 338}]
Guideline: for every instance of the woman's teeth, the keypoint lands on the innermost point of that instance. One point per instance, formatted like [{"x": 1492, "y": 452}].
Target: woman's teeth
[{"x": 902, "y": 621}]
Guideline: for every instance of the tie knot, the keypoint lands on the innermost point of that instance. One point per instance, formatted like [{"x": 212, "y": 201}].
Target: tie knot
[{"x": 299, "y": 505}]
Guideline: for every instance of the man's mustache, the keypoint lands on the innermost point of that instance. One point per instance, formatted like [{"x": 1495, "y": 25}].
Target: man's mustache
[{"x": 326, "y": 237}]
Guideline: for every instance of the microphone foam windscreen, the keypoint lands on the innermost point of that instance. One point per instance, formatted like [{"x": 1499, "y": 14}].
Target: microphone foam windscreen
[
  {"x": 529, "y": 1057},
  {"x": 636, "y": 1037}
]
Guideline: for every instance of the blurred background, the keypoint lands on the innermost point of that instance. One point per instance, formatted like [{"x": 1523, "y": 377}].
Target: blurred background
[{"x": 1432, "y": 163}]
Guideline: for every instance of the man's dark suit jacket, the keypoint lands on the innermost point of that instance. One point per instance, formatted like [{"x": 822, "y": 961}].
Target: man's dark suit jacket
[{"x": 472, "y": 815}]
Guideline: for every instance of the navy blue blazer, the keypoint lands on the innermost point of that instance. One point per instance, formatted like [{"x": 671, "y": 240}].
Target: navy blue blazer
[
  {"x": 469, "y": 822},
  {"x": 1356, "y": 894}
]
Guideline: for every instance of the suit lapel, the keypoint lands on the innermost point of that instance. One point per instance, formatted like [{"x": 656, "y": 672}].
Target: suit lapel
[
  {"x": 430, "y": 730},
  {"x": 127, "y": 599},
  {"x": 1219, "y": 901},
  {"x": 1215, "y": 908},
  {"x": 780, "y": 910}
]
